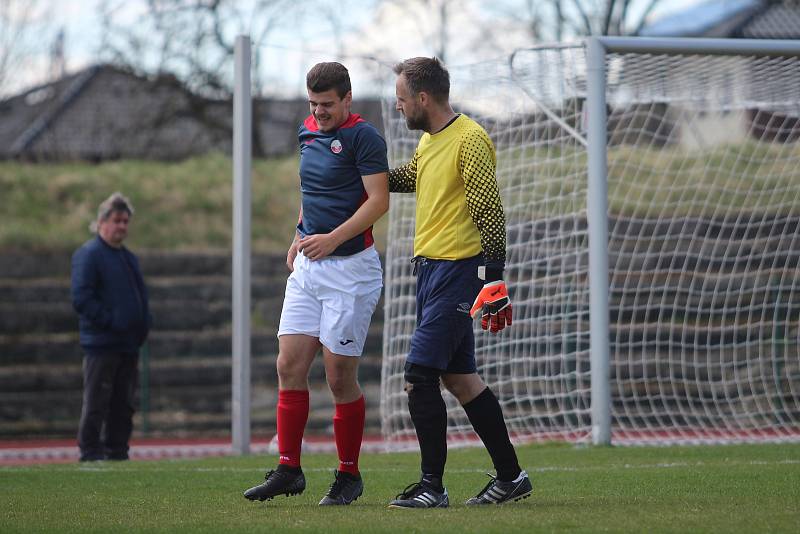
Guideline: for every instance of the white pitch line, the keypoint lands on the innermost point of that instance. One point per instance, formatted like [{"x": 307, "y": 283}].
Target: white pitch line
[{"x": 543, "y": 469}]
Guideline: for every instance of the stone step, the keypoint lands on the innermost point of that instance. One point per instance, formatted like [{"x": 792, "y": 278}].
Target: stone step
[
  {"x": 24, "y": 321},
  {"x": 546, "y": 335},
  {"x": 182, "y": 315},
  {"x": 28, "y": 265},
  {"x": 165, "y": 373},
  {"x": 194, "y": 288},
  {"x": 626, "y": 308},
  {"x": 56, "y": 317},
  {"x": 39, "y": 348},
  {"x": 180, "y": 410},
  {"x": 174, "y": 381},
  {"x": 726, "y": 368}
]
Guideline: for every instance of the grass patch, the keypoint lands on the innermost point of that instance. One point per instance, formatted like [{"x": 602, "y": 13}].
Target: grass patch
[
  {"x": 727, "y": 489},
  {"x": 187, "y": 205},
  {"x": 179, "y": 206},
  {"x": 652, "y": 182}
]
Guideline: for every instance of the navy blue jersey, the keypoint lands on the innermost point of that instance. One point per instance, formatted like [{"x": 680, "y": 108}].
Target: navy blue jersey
[{"x": 331, "y": 167}]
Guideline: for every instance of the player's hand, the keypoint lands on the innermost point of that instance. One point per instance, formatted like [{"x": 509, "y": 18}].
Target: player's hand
[
  {"x": 291, "y": 255},
  {"x": 494, "y": 305},
  {"x": 317, "y": 246}
]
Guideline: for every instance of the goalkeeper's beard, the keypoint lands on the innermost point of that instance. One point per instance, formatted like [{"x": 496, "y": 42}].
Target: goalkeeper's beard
[{"x": 418, "y": 123}]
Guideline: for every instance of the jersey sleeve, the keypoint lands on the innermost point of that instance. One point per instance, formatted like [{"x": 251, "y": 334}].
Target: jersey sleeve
[
  {"x": 370, "y": 152},
  {"x": 477, "y": 165},
  {"x": 403, "y": 179}
]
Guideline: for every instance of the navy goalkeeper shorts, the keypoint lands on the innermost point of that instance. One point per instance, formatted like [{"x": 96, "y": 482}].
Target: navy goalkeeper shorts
[{"x": 445, "y": 292}]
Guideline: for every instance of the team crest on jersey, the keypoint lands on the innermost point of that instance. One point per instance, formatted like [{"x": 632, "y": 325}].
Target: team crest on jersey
[{"x": 336, "y": 146}]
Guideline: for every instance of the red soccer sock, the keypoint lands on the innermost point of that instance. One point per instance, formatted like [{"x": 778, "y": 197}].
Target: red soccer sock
[
  {"x": 348, "y": 429},
  {"x": 292, "y": 417}
]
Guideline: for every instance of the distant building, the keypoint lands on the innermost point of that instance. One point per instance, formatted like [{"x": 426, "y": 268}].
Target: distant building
[
  {"x": 748, "y": 19},
  {"x": 105, "y": 112}
]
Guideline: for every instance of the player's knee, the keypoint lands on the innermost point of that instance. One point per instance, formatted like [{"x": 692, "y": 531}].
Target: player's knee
[
  {"x": 425, "y": 403},
  {"x": 290, "y": 373},
  {"x": 342, "y": 385},
  {"x": 421, "y": 379},
  {"x": 464, "y": 387}
]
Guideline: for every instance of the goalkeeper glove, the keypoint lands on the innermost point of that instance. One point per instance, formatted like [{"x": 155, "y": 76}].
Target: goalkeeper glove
[{"x": 495, "y": 305}]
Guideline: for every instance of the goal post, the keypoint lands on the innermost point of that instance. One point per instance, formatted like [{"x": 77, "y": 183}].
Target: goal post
[
  {"x": 652, "y": 198},
  {"x": 240, "y": 264},
  {"x": 597, "y": 227}
]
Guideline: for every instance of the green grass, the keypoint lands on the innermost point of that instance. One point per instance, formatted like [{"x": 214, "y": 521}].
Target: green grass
[
  {"x": 680, "y": 489},
  {"x": 187, "y": 205},
  {"x": 179, "y": 206},
  {"x": 657, "y": 182}
]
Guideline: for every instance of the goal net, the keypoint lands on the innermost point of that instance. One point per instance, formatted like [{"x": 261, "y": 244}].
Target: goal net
[{"x": 704, "y": 248}]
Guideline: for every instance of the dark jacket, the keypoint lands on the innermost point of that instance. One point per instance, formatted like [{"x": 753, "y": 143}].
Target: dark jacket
[{"x": 109, "y": 294}]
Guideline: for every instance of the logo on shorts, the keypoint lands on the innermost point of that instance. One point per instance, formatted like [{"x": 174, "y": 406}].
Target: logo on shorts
[
  {"x": 345, "y": 341},
  {"x": 336, "y": 146},
  {"x": 464, "y": 307}
]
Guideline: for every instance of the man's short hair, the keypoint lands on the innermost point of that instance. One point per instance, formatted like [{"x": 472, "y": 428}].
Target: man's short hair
[
  {"x": 116, "y": 202},
  {"x": 425, "y": 74},
  {"x": 325, "y": 76}
]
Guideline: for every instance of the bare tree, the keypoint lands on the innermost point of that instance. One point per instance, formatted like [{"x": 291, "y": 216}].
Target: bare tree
[
  {"x": 474, "y": 30},
  {"x": 555, "y": 20},
  {"x": 23, "y": 36},
  {"x": 432, "y": 20},
  {"x": 194, "y": 39},
  {"x": 190, "y": 44}
]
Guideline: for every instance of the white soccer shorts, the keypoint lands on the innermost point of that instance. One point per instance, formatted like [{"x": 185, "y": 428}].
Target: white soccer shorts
[{"x": 333, "y": 299}]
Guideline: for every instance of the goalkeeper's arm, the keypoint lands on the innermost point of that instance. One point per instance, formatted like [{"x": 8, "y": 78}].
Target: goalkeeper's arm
[
  {"x": 486, "y": 209},
  {"x": 403, "y": 179}
]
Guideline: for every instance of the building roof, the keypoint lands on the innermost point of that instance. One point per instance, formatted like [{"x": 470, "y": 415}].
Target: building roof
[
  {"x": 105, "y": 112},
  {"x": 25, "y": 116},
  {"x": 750, "y": 19},
  {"x": 779, "y": 21}
]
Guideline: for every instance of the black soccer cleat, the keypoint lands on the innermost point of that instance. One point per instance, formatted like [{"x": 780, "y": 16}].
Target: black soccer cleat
[
  {"x": 345, "y": 489},
  {"x": 280, "y": 481},
  {"x": 421, "y": 495},
  {"x": 499, "y": 492}
]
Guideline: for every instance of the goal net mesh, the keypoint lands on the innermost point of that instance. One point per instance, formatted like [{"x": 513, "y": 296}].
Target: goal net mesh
[{"x": 704, "y": 247}]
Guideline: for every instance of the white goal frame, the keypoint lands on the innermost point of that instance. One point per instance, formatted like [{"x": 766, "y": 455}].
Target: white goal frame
[
  {"x": 597, "y": 200},
  {"x": 596, "y": 143}
]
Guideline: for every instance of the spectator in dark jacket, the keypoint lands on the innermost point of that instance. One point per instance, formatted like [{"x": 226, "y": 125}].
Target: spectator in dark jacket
[{"x": 109, "y": 294}]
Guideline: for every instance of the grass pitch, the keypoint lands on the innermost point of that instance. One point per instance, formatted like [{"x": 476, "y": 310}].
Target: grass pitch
[{"x": 745, "y": 488}]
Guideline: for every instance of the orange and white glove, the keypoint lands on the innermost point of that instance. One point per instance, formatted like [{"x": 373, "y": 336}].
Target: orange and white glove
[{"x": 494, "y": 305}]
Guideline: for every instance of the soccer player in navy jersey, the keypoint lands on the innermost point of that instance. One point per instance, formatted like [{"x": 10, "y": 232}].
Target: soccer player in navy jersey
[
  {"x": 459, "y": 255},
  {"x": 335, "y": 281}
]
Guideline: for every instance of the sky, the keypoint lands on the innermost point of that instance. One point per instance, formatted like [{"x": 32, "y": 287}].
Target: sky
[{"x": 386, "y": 30}]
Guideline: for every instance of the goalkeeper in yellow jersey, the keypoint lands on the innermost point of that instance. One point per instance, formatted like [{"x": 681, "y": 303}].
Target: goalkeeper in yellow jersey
[{"x": 459, "y": 257}]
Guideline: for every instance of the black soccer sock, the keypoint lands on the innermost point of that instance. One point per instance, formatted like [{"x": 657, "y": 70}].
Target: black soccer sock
[
  {"x": 486, "y": 416},
  {"x": 433, "y": 481},
  {"x": 429, "y": 415}
]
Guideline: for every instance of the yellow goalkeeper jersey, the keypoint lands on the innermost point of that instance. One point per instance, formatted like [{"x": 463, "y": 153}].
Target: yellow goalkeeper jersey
[{"x": 459, "y": 212}]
